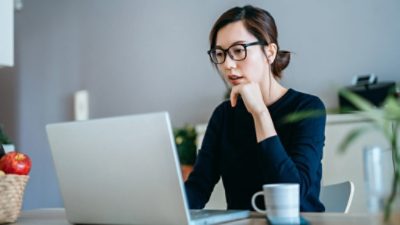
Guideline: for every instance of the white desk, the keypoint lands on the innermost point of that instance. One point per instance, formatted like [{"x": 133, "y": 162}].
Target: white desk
[{"x": 57, "y": 217}]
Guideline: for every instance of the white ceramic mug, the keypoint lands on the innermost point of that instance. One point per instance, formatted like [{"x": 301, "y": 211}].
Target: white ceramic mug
[{"x": 281, "y": 203}]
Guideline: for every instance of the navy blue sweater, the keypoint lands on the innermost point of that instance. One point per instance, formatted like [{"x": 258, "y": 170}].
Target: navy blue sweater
[{"x": 230, "y": 151}]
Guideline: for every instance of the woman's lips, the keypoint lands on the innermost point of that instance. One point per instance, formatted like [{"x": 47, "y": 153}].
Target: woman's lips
[{"x": 235, "y": 79}]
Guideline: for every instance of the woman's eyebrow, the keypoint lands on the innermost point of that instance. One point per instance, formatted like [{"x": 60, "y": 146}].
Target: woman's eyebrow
[{"x": 234, "y": 43}]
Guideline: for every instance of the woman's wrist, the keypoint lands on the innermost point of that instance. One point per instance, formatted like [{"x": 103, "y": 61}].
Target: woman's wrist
[{"x": 264, "y": 125}]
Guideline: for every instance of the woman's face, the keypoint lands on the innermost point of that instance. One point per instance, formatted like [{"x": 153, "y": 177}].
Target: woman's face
[{"x": 254, "y": 68}]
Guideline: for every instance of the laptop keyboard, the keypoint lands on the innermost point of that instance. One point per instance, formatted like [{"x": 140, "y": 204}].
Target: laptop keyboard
[{"x": 201, "y": 213}]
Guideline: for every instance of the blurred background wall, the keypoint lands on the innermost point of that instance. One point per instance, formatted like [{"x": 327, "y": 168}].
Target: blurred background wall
[{"x": 135, "y": 56}]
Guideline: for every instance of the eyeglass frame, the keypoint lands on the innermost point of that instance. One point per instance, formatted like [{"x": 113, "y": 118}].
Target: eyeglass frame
[{"x": 226, "y": 51}]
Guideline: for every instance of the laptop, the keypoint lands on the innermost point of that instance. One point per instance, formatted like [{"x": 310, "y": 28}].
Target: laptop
[{"x": 124, "y": 170}]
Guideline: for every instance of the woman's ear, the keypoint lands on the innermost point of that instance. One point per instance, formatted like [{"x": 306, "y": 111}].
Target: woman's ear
[{"x": 271, "y": 50}]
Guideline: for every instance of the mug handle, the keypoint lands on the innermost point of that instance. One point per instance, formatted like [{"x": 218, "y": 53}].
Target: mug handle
[{"x": 253, "y": 202}]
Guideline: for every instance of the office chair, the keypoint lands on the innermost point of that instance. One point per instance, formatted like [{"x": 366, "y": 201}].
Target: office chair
[{"x": 337, "y": 197}]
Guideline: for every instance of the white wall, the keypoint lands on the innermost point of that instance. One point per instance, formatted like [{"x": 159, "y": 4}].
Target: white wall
[{"x": 139, "y": 56}]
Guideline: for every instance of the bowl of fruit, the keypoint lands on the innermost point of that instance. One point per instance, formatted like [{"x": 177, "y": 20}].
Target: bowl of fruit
[{"x": 14, "y": 174}]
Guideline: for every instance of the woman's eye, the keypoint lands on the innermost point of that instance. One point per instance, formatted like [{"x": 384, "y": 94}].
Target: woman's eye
[
  {"x": 237, "y": 51},
  {"x": 219, "y": 54}
]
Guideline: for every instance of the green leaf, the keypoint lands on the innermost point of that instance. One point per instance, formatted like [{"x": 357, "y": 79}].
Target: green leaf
[
  {"x": 376, "y": 117},
  {"x": 297, "y": 116},
  {"x": 185, "y": 140},
  {"x": 356, "y": 100},
  {"x": 351, "y": 137},
  {"x": 3, "y": 137},
  {"x": 392, "y": 109}
]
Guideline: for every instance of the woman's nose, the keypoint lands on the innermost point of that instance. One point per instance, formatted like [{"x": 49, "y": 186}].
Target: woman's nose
[{"x": 229, "y": 62}]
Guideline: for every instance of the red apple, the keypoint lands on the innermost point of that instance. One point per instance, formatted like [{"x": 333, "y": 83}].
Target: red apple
[{"x": 15, "y": 163}]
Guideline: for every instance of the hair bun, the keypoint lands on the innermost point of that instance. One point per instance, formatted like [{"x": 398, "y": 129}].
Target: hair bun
[{"x": 281, "y": 62}]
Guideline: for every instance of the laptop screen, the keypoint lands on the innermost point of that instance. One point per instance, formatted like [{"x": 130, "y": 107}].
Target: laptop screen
[{"x": 121, "y": 170}]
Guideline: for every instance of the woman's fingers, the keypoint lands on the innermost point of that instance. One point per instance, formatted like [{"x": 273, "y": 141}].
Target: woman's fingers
[
  {"x": 234, "y": 95},
  {"x": 251, "y": 95}
]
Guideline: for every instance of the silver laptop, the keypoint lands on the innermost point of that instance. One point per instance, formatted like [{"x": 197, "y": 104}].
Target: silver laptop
[{"x": 124, "y": 170}]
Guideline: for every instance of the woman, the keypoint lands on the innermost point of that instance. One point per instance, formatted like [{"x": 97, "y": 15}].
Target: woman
[{"x": 247, "y": 143}]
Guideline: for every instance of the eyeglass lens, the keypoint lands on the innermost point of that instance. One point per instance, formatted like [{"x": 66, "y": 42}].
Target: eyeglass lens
[{"x": 236, "y": 52}]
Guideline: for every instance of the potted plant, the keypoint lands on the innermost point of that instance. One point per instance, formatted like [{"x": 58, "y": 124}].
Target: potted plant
[
  {"x": 386, "y": 120},
  {"x": 185, "y": 139}
]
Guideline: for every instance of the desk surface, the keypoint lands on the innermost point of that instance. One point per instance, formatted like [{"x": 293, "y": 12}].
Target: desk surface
[{"x": 57, "y": 217}]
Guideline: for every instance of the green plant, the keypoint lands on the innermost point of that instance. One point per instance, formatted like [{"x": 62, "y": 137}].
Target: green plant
[
  {"x": 386, "y": 120},
  {"x": 185, "y": 139},
  {"x": 3, "y": 137}
]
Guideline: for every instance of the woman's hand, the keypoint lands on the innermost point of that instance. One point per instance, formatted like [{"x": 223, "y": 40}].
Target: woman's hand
[
  {"x": 254, "y": 102},
  {"x": 251, "y": 95}
]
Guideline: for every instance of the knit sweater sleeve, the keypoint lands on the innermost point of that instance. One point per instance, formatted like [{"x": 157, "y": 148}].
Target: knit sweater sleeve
[
  {"x": 206, "y": 171},
  {"x": 299, "y": 161}
]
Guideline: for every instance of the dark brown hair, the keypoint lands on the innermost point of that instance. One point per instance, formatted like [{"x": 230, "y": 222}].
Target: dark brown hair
[{"x": 260, "y": 24}]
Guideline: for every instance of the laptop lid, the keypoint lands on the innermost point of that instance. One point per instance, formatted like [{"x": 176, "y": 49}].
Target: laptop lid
[{"x": 121, "y": 170}]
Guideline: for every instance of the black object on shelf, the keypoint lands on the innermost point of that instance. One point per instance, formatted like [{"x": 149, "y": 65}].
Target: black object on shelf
[{"x": 375, "y": 93}]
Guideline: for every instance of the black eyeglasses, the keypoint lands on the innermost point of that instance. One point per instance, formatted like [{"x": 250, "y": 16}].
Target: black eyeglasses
[{"x": 237, "y": 52}]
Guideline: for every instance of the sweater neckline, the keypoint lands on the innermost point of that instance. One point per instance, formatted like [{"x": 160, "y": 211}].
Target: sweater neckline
[{"x": 281, "y": 100}]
